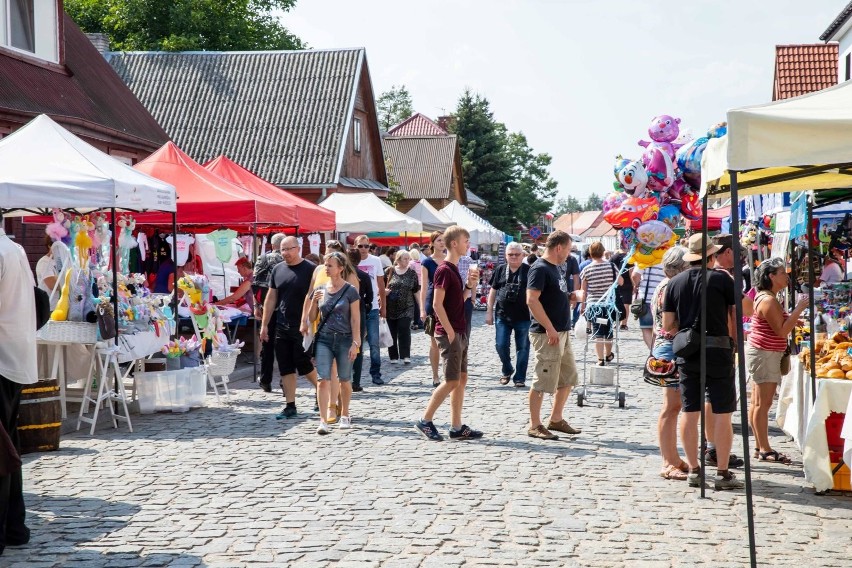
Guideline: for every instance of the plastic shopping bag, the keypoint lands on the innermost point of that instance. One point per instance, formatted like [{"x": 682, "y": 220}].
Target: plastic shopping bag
[
  {"x": 580, "y": 327},
  {"x": 385, "y": 339}
]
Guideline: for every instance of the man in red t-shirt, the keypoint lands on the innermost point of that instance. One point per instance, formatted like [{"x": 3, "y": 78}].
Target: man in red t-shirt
[{"x": 451, "y": 336}]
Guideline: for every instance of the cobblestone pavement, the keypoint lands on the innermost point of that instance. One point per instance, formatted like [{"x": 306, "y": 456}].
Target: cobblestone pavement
[{"x": 231, "y": 486}]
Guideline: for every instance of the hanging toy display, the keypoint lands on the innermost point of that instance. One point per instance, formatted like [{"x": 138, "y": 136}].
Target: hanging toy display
[{"x": 126, "y": 224}]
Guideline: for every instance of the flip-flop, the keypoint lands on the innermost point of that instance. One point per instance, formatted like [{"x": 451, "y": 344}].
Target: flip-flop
[
  {"x": 775, "y": 457},
  {"x": 673, "y": 473}
]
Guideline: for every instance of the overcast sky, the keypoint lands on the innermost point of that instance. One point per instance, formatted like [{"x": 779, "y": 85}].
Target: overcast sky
[{"x": 581, "y": 78}]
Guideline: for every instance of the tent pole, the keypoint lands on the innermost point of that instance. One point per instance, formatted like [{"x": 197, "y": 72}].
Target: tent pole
[
  {"x": 811, "y": 302},
  {"x": 174, "y": 273},
  {"x": 114, "y": 306},
  {"x": 738, "y": 313},
  {"x": 255, "y": 340},
  {"x": 703, "y": 353}
]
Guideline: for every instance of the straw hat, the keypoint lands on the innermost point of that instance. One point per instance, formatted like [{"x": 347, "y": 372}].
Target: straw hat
[{"x": 694, "y": 246}]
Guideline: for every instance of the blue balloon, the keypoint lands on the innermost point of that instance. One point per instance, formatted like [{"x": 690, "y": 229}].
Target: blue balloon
[{"x": 670, "y": 215}]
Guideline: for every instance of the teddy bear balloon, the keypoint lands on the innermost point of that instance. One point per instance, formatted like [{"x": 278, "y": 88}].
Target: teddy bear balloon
[{"x": 664, "y": 130}]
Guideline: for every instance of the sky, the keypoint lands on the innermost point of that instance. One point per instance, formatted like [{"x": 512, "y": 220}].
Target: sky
[{"x": 582, "y": 79}]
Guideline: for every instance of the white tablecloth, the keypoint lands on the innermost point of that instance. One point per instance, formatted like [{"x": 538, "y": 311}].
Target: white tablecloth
[
  {"x": 794, "y": 402},
  {"x": 847, "y": 434}
]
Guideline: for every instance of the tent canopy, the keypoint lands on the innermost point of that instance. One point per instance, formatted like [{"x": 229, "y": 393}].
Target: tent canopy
[
  {"x": 44, "y": 165},
  {"x": 307, "y": 216},
  {"x": 206, "y": 199},
  {"x": 432, "y": 219},
  {"x": 365, "y": 213},
  {"x": 804, "y": 143},
  {"x": 481, "y": 231}
]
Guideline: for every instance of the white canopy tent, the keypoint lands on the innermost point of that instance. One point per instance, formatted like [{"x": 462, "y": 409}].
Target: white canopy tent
[
  {"x": 481, "y": 231},
  {"x": 432, "y": 219},
  {"x": 365, "y": 213},
  {"x": 804, "y": 143},
  {"x": 43, "y": 165}
]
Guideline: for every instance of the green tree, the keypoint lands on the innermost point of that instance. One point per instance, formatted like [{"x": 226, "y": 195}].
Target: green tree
[
  {"x": 594, "y": 202},
  {"x": 568, "y": 204},
  {"x": 533, "y": 189},
  {"x": 394, "y": 106},
  {"x": 186, "y": 25},
  {"x": 486, "y": 164},
  {"x": 394, "y": 195}
]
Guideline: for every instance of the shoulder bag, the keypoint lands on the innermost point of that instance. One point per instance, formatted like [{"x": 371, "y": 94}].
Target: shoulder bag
[
  {"x": 785, "y": 358},
  {"x": 687, "y": 342},
  {"x": 640, "y": 307},
  {"x": 313, "y": 346}
]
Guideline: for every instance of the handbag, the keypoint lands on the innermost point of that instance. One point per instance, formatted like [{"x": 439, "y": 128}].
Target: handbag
[
  {"x": 659, "y": 372},
  {"x": 785, "y": 360},
  {"x": 313, "y": 344},
  {"x": 393, "y": 295},
  {"x": 429, "y": 325},
  {"x": 640, "y": 307}
]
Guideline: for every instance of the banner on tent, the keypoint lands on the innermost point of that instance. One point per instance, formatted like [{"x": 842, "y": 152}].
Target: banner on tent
[{"x": 799, "y": 215}]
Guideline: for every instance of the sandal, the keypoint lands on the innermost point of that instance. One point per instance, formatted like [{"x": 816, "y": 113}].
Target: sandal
[
  {"x": 775, "y": 457},
  {"x": 610, "y": 357},
  {"x": 505, "y": 380},
  {"x": 623, "y": 328},
  {"x": 601, "y": 363},
  {"x": 673, "y": 473}
]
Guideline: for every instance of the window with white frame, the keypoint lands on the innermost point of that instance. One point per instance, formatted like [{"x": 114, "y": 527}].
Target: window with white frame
[
  {"x": 30, "y": 26},
  {"x": 356, "y": 134}
]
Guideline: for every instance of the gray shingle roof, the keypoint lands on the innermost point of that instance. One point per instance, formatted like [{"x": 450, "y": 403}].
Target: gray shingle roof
[
  {"x": 281, "y": 114},
  {"x": 422, "y": 165}
]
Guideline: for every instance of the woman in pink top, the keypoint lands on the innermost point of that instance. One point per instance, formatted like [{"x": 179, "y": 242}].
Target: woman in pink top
[{"x": 767, "y": 341}]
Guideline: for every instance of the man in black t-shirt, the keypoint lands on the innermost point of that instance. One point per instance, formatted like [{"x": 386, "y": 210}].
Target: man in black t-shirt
[
  {"x": 288, "y": 287},
  {"x": 555, "y": 369},
  {"x": 365, "y": 290},
  {"x": 681, "y": 307},
  {"x": 508, "y": 300}
]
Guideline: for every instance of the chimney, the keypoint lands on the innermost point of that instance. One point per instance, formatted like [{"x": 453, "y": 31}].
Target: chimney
[
  {"x": 445, "y": 122},
  {"x": 100, "y": 41}
]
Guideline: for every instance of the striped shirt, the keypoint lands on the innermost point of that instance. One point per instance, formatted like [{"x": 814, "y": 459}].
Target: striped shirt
[
  {"x": 760, "y": 335},
  {"x": 651, "y": 277},
  {"x": 598, "y": 276}
]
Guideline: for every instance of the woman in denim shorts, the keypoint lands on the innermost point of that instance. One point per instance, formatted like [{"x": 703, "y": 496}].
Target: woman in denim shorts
[{"x": 338, "y": 335}]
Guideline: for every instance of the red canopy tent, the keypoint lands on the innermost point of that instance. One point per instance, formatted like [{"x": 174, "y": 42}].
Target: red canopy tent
[
  {"x": 208, "y": 200},
  {"x": 714, "y": 219},
  {"x": 309, "y": 216}
]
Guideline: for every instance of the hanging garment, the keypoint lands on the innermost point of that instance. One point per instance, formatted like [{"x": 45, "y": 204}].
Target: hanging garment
[{"x": 222, "y": 242}]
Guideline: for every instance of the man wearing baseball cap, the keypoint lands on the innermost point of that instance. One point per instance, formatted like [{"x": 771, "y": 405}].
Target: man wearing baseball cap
[{"x": 681, "y": 308}]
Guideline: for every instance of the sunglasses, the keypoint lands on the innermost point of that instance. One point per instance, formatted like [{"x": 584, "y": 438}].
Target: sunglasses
[
  {"x": 513, "y": 254},
  {"x": 289, "y": 248},
  {"x": 363, "y": 246}
]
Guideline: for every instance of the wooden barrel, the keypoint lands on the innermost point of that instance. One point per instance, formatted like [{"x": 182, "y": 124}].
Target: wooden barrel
[{"x": 40, "y": 417}]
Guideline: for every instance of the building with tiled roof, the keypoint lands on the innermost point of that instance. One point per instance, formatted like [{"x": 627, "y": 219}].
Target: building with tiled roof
[
  {"x": 839, "y": 31},
  {"x": 802, "y": 69},
  {"x": 303, "y": 120},
  {"x": 426, "y": 167},
  {"x": 578, "y": 222},
  {"x": 417, "y": 125}
]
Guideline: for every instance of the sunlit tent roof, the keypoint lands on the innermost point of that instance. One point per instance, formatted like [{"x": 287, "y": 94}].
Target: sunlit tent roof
[{"x": 366, "y": 213}]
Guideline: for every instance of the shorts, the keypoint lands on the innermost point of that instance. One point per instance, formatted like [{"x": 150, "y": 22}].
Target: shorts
[
  {"x": 601, "y": 330},
  {"x": 647, "y": 321},
  {"x": 290, "y": 354},
  {"x": 763, "y": 366},
  {"x": 555, "y": 366},
  {"x": 330, "y": 348},
  {"x": 663, "y": 349},
  {"x": 720, "y": 389},
  {"x": 454, "y": 355}
]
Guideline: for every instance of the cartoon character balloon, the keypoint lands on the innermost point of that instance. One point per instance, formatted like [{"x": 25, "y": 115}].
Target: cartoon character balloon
[
  {"x": 613, "y": 200},
  {"x": 670, "y": 215},
  {"x": 632, "y": 212},
  {"x": 690, "y": 206},
  {"x": 664, "y": 130},
  {"x": 660, "y": 170},
  {"x": 633, "y": 178}
]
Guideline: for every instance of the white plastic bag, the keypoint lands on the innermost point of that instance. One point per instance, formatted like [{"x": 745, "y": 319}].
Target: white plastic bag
[
  {"x": 307, "y": 340},
  {"x": 580, "y": 327},
  {"x": 385, "y": 339}
]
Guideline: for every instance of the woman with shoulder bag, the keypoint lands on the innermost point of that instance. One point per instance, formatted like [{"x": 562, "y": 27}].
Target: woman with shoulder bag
[
  {"x": 338, "y": 336},
  {"x": 402, "y": 301},
  {"x": 766, "y": 347}
]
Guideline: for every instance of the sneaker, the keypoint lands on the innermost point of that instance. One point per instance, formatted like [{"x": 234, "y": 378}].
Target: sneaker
[
  {"x": 288, "y": 412},
  {"x": 428, "y": 430},
  {"x": 541, "y": 432},
  {"x": 465, "y": 433},
  {"x": 378, "y": 382},
  {"x": 562, "y": 426},
  {"x": 406, "y": 361},
  {"x": 725, "y": 482},
  {"x": 694, "y": 477},
  {"x": 733, "y": 460},
  {"x": 357, "y": 388},
  {"x": 265, "y": 387},
  {"x": 520, "y": 385},
  {"x": 323, "y": 429},
  {"x": 345, "y": 423},
  {"x": 394, "y": 361}
]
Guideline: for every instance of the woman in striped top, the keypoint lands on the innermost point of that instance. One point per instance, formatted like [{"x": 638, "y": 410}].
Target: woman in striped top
[
  {"x": 767, "y": 341},
  {"x": 596, "y": 279}
]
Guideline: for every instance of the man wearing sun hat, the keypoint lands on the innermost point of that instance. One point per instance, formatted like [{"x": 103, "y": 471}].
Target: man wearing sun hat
[{"x": 681, "y": 307}]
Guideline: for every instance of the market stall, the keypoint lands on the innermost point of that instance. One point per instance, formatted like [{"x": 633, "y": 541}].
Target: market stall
[
  {"x": 48, "y": 170},
  {"x": 432, "y": 219},
  {"x": 482, "y": 232},
  {"x": 364, "y": 213}
]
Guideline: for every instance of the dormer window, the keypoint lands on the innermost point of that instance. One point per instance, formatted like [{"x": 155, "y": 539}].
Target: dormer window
[{"x": 30, "y": 26}]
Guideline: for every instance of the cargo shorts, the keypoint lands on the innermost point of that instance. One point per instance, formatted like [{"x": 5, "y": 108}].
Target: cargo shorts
[{"x": 555, "y": 366}]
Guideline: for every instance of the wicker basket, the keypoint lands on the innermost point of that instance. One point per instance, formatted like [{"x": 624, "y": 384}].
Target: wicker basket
[
  {"x": 68, "y": 332},
  {"x": 222, "y": 364}
]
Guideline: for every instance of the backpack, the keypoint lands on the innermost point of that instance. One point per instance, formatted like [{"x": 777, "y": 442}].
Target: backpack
[{"x": 42, "y": 305}]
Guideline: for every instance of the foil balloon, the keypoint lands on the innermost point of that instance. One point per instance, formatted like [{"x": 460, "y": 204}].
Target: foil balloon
[
  {"x": 670, "y": 215},
  {"x": 659, "y": 169},
  {"x": 626, "y": 238},
  {"x": 717, "y": 130},
  {"x": 620, "y": 163},
  {"x": 632, "y": 212},
  {"x": 654, "y": 234},
  {"x": 633, "y": 178},
  {"x": 676, "y": 191},
  {"x": 690, "y": 206},
  {"x": 645, "y": 257},
  {"x": 664, "y": 130},
  {"x": 689, "y": 160},
  {"x": 613, "y": 200}
]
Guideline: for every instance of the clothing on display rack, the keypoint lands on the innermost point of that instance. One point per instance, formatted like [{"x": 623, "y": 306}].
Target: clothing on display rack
[
  {"x": 184, "y": 242},
  {"x": 314, "y": 242},
  {"x": 248, "y": 245},
  {"x": 222, "y": 240},
  {"x": 142, "y": 240}
]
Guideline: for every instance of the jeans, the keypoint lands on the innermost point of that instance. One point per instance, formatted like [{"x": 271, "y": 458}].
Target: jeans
[
  {"x": 359, "y": 359},
  {"x": 575, "y": 315},
  {"x": 267, "y": 353},
  {"x": 373, "y": 339},
  {"x": 504, "y": 330},
  {"x": 333, "y": 347},
  {"x": 401, "y": 332}
]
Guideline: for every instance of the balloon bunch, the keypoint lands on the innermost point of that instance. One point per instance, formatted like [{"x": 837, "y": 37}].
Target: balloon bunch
[{"x": 654, "y": 192}]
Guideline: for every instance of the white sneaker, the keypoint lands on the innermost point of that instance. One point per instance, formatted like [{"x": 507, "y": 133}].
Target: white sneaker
[
  {"x": 323, "y": 429},
  {"x": 345, "y": 422},
  {"x": 394, "y": 361},
  {"x": 407, "y": 361}
]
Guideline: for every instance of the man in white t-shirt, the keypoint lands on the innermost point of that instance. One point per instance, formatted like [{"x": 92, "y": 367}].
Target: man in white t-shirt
[
  {"x": 17, "y": 368},
  {"x": 373, "y": 267}
]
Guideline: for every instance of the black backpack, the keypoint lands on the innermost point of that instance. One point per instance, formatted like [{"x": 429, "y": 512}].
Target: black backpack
[{"x": 42, "y": 305}]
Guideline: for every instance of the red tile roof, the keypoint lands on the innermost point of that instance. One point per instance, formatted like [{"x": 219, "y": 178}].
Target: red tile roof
[
  {"x": 417, "y": 125},
  {"x": 803, "y": 69},
  {"x": 579, "y": 222}
]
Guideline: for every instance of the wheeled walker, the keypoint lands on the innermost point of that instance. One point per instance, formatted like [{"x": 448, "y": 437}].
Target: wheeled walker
[{"x": 597, "y": 380}]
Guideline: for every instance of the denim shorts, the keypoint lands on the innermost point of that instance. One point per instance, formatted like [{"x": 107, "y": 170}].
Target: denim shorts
[
  {"x": 646, "y": 321},
  {"x": 663, "y": 350},
  {"x": 333, "y": 347}
]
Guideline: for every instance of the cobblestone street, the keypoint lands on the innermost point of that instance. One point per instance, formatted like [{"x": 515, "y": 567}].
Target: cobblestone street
[{"x": 231, "y": 486}]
